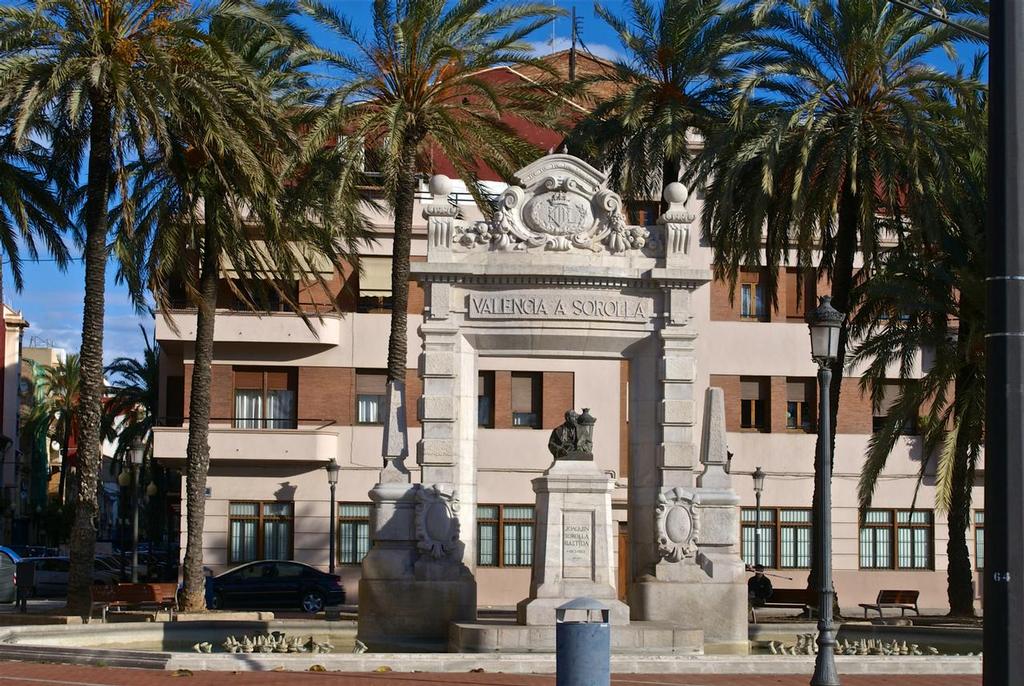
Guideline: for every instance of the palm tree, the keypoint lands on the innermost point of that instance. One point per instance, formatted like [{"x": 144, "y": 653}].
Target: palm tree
[
  {"x": 29, "y": 211},
  {"x": 928, "y": 294},
  {"x": 56, "y": 413},
  {"x": 106, "y": 74},
  {"x": 675, "y": 80},
  {"x": 131, "y": 408},
  {"x": 835, "y": 129},
  {"x": 413, "y": 85},
  {"x": 214, "y": 211}
]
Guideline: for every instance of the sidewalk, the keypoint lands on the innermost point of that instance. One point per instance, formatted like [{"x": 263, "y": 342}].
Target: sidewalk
[{"x": 28, "y": 674}]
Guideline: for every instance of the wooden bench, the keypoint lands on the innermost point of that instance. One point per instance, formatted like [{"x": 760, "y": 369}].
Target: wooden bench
[
  {"x": 799, "y": 598},
  {"x": 901, "y": 600},
  {"x": 120, "y": 597}
]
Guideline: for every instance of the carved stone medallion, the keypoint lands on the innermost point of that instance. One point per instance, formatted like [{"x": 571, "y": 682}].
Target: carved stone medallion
[
  {"x": 678, "y": 524},
  {"x": 437, "y": 522}
]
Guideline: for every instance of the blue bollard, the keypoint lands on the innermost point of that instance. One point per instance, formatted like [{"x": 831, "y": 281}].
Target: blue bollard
[{"x": 583, "y": 648}]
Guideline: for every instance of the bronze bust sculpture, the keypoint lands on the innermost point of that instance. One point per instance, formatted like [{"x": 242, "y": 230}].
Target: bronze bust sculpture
[{"x": 573, "y": 439}]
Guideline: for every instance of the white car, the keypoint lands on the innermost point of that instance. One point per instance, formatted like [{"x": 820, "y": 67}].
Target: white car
[{"x": 51, "y": 575}]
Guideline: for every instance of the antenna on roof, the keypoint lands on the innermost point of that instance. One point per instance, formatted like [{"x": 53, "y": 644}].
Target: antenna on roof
[{"x": 572, "y": 48}]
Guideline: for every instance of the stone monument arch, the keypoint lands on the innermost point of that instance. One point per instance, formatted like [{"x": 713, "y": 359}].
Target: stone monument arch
[{"x": 557, "y": 272}]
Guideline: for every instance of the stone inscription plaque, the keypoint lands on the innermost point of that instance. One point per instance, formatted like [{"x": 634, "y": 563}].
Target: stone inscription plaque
[
  {"x": 578, "y": 545},
  {"x": 585, "y": 306}
]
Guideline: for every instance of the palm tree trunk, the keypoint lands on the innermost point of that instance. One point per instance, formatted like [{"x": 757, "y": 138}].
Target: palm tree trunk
[
  {"x": 405, "y": 198},
  {"x": 669, "y": 174},
  {"x": 82, "y": 546},
  {"x": 959, "y": 577},
  {"x": 65, "y": 463},
  {"x": 847, "y": 231},
  {"x": 198, "y": 450}
]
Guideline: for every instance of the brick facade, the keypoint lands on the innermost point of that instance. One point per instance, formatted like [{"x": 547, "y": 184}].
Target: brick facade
[
  {"x": 327, "y": 393},
  {"x": 558, "y": 397},
  {"x": 854, "y": 407}
]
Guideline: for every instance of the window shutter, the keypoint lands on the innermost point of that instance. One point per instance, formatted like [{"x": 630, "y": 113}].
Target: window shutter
[
  {"x": 248, "y": 379},
  {"x": 798, "y": 391},
  {"x": 890, "y": 393},
  {"x": 371, "y": 383},
  {"x": 750, "y": 390},
  {"x": 375, "y": 278},
  {"x": 522, "y": 392},
  {"x": 278, "y": 381}
]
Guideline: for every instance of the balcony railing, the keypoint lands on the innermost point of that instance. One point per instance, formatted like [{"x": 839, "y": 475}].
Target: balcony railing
[{"x": 255, "y": 423}]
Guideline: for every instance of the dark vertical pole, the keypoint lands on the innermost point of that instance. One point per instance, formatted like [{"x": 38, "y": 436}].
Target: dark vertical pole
[
  {"x": 757, "y": 528},
  {"x": 334, "y": 519},
  {"x": 825, "y": 673},
  {"x": 136, "y": 496},
  {"x": 1004, "y": 427}
]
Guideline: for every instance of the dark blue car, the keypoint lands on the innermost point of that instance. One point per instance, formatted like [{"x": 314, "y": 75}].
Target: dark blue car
[
  {"x": 270, "y": 584},
  {"x": 8, "y": 566}
]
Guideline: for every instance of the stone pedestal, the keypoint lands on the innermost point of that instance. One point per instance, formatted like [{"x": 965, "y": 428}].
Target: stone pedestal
[
  {"x": 699, "y": 570},
  {"x": 414, "y": 584},
  {"x": 573, "y": 546}
]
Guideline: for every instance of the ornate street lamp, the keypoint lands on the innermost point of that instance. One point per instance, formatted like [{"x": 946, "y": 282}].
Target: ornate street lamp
[
  {"x": 332, "y": 468},
  {"x": 758, "y": 476},
  {"x": 138, "y": 454},
  {"x": 825, "y": 323}
]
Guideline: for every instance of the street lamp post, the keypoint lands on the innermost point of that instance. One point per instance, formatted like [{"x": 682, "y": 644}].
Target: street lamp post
[
  {"x": 758, "y": 487},
  {"x": 138, "y": 453},
  {"x": 332, "y": 478},
  {"x": 825, "y": 323}
]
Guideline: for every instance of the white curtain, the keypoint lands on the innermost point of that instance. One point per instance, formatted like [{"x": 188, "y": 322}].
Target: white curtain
[{"x": 248, "y": 409}]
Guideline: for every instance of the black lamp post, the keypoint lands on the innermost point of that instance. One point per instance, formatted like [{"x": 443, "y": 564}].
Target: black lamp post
[
  {"x": 138, "y": 454},
  {"x": 332, "y": 468},
  {"x": 825, "y": 323},
  {"x": 758, "y": 487}
]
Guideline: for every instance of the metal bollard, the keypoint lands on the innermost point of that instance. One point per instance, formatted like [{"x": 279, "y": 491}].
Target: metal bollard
[{"x": 583, "y": 648}]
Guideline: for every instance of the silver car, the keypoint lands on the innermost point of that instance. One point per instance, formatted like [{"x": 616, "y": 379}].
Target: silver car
[{"x": 51, "y": 576}]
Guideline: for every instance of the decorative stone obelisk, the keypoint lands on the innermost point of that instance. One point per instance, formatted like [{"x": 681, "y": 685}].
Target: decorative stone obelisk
[
  {"x": 699, "y": 570},
  {"x": 413, "y": 580},
  {"x": 573, "y": 546}
]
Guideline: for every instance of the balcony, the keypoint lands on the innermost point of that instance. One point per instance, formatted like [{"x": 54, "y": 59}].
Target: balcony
[
  {"x": 248, "y": 327},
  {"x": 311, "y": 441}
]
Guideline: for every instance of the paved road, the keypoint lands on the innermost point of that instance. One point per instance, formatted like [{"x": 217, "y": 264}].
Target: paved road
[{"x": 29, "y": 674}]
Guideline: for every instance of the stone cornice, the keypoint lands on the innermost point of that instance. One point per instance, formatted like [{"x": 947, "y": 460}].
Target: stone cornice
[{"x": 559, "y": 275}]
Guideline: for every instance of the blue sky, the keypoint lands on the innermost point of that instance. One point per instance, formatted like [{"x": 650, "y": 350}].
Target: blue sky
[{"x": 52, "y": 301}]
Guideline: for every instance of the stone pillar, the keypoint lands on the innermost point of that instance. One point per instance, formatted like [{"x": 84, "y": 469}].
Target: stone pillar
[{"x": 699, "y": 570}]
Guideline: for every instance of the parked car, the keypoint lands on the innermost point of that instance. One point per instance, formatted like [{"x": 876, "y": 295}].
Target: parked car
[
  {"x": 52, "y": 576},
  {"x": 8, "y": 576},
  {"x": 34, "y": 551},
  {"x": 269, "y": 584}
]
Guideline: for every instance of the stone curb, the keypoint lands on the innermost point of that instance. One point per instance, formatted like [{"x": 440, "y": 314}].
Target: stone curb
[{"x": 526, "y": 663}]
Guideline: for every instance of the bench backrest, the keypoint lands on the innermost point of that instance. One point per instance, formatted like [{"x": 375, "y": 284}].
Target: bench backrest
[
  {"x": 794, "y": 595},
  {"x": 897, "y": 597},
  {"x": 135, "y": 593}
]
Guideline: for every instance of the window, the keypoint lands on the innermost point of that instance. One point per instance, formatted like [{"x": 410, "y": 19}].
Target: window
[
  {"x": 979, "y": 539},
  {"x": 753, "y": 304},
  {"x": 880, "y": 414},
  {"x": 485, "y": 400},
  {"x": 909, "y": 548},
  {"x": 914, "y": 539},
  {"x": 643, "y": 213},
  {"x": 800, "y": 292},
  {"x": 374, "y": 284},
  {"x": 505, "y": 535},
  {"x": 800, "y": 397},
  {"x": 785, "y": 537},
  {"x": 371, "y": 396},
  {"x": 526, "y": 397},
  {"x": 753, "y": 403},
  {"x": 353, "y": 532},
  {"x": 265, "y": 399},
  {"x": 259, "y": 530}
]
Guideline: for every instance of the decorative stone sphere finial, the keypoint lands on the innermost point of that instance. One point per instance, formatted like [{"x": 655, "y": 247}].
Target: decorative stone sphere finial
[
  {"x": 440, "y": 185},
  {"x": 675, "y": 193}
]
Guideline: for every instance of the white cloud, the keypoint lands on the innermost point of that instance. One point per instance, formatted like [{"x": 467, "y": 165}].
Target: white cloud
[{"x": 563, "y": 43}]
